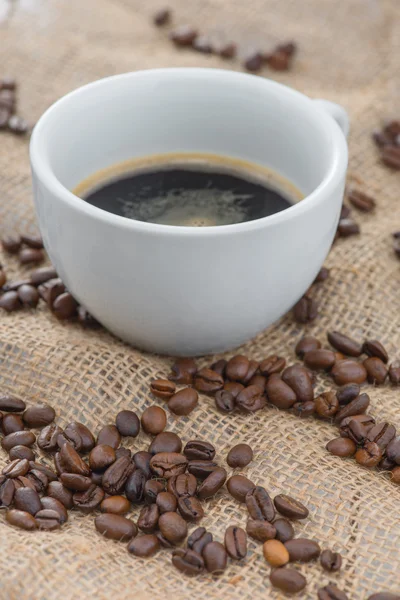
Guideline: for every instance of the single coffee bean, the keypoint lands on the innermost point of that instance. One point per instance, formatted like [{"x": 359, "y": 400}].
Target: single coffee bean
[
  {"x": 251, "y": 399},
  {"x": 21, "y": 519},
  {"x": 239, "y": 486},
  {"x": 30, "y": 255},
  {"x": 228, "y": 50},
  {"x": 190, "y": 508},
  {"x": 153, "y": 420},
  {"x": 71, "y": 462},
  {"x": 299, "y": 380},
  {"x": 182, "y": 485},
  {"x": 258, "y": 380},
  {"x": 7, "y": 491},
  {"x": 39, "y": 415},
  {"x": 173, "y": 527},
  {"x": 330, "y": 561},
  {"x": 16, "y": 468},
  {"x": 115, "y": 527},
  {"x": 344, "y": 344},
  {"x": 289, "y": 507},
  {"x": 207, "y": 381},
  {"x": 202, "y": 468},
  {"x": 101, "y": 457},
  {"x": 199, "y": 539},
  {"x": 43, "y": 274},
  {"x": 272, "y": 364},
  {"x": 382, "y": 434},
  {"x": 166, "y": 502},
  {"x": 341, "y": 446},
  {"x": 215, "y": 557},
  {"x": 357, "y": 406},
  {"x": 304, "y": 409},
  {"x": 168, "y": 464},
  {"x": 117, "y": 505},
  {"x": 11, "y": 244},
  {"x": 394, "y": 372},
  {"x": 348, "y": 371},
  {"x": 361, "y": 201},
  {"x": 331, "y": 592},
  {"x": 77, "y": 483},
  {"x": 27, "y": 500},
  {"x": 142, "y": 460},
  {"x": 59, "y": 492},
  {"x": 184, "y": 35},
  {"x": 65, "y": 306},
  {"x": 134, "y": 488},
  {"x": 50, "y": 290},
  {"x": 162, "y": 17},
  {"x": 183, "y": 402},
  {"x": 90, "y": 500},
  {"x": 260, "y": 530},
  {"x": 347, "y": 393},
  {"x": 288, "y": 580},
  {"x": 393, "y": 450},
  {"x": 306, "y": 310},
  {"x": 376, "y": 349},
  {"x": 9, "y": 301},
  {"x": 18, "y": 438},
  {"x": 79, "y": 436},
  {"x": 254, "y": 62},
  {"x": 320, "y": 360},
  {"x": 326, "y": 405},
  {"x": 348, "y": 227},
  {"x": 236, "y": 542},
  {"x": 183, "y": 370},
  {"x": 225, "y": 401},
  {"x": 123, "y": 452},
  {"x": 369, "y": 455},
  {"x": 237, "y": 368},
  {"x": 148, "y": 518},
  {"x": 376, "y": 369},
  {"x": 21, "y": 452},
  {"x": 48, "y": 437},
  {"x": 9, "y": 403},
  {"x": 187, "y": 561},
  {"x": 165, "y": 442},
  {"x": 239, "y": 456},
  {"x": 233, "y": 387},
  {"x": 302, "y": 550},
  {"x": 259, "y": 504},
  {"x": 284, "y": 530},
  {"x": 28, "y": 295},
  {"x": 219, "y": 367},
  {"x": 109, "y": 436},
  {"x": 144, "y": 546},
  {"x": 52, "y": 504},
  {"x": 162, "y": 388},
  {"x": 306, "y": 344},
  {"x": 199, "y": 450},
  {"x": 117, "y": 475},
  {"x": 275, "y": 553},
  {"x": 12, "y": 423},
  {"x": 279, "y": 393}
]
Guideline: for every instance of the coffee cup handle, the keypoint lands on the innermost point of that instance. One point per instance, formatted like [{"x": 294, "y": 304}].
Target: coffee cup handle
[{"x": 337, "y": 112}]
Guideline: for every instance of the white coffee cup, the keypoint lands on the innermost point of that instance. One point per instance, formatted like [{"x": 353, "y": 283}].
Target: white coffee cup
[{"x": 188, "y": 290}]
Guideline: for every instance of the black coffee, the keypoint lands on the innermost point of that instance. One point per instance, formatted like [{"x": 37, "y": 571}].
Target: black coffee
[{"x": 189, "y": 193}]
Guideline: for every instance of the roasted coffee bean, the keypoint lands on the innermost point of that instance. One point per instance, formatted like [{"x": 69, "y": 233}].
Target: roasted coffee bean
[
  {"x": 239, "y": 456},
  {"x": 228, "y": 50},
  {"x": 239, "y": 486},
  {"x": 288, "y": 580},
  {"x": 148, "y": 518},
  {"x": 386, "y": 464},
  {"x": 173, "y": 527},
  {"x": 225, "y": 401},
  {"x": 208, "y": 381},
  {"x": 331, "y": 592},
  {"x": 19, "y": 466},
  {"x": 182, "y": 485},
  {"x": 341, "y": 446},
  {"x": 166, "y": 502},
  {"x": 299, "y": 380},
  {"x": 215, "y": 557},
  {"x": 358, "y": 406},
  {"x": 233, "y": 387},
  {"x": 365, "y": 420},
  {"x": 326, "y": 405},
  {"x": 168, "y": 464},
  {"x": 302, "y": 550},
  {"x": 369, "y": 455},
  {"x": 344, "y": 344},
  {"x": 289, "y": 507},
  {"x": 183, "y": 370},
  {"x": 348, "y": 371},
  {"x": 284, "y": 530},
  {"x": 395, "y": 475},
  {"x": 306, "y": 310},
  {"x": 272, "y": 364},
  {"x": 190, "y": 508},
  {"x": 258, "y": 380},
  {"x": 153, "y": 420},
  {"x": 199, "y": 539},
  {"x": 254, "y": 62},
  {"x": 65, "y": 306},
  {"x": 306, "y": 344},
  {"x": 117, "y": 505},
  {"x": 80, "y": 436},
  {"x": 183, "y": 35},
  {"x": 12, "y": 423},
  {"x": 320, "y": 359},
  {"x": 102, "y": 457},
  {"x": 330, "y": 561},
  {"x": 183, "y": 402},
  {"x": 21, "y": 452},
  {"x": 11, "y": 244},
  {"x": 77, "y": 483},
  {"x": 7, "y": 491},
  {"x": 127, "y": 423},
  {"x": 236, "y": 542},
  {"x": 124, "y": 452},
  {"x": 42, "y": 275},
  {"x": 252, "y": 370},
  {"x": 165, "y": 442},
  {"x": 279, "y": 393},
  {"x": 394, "y": 372},
  {"x": 27, "y": 500},
  {"x": 361, "y": 201},
  {"x": 393, "y": 450},
  {"x": 261, "y": 530},
  {"x": 275, "y": 553},
  {"x": 237, "y": 368},
  {"x": 251, "y": 399},
  {"x": 71, "y": 462},
  {"x": 9, "y": 403},
  {"x": 9, "y": 301},
  {"x": 347, "y": 393},
  {"x": 117, "y": 475},
  {"x": 134, "y": 488},
  {"x": 21, "y": 519},
  {"x": 376, "y": 369},
  {"x": 50, "y": 290},
  {"x": 162, "y": 17},
  {"x": 47, "y": 438},
  {"x": 382, "y": 434},
  {"x": 30, "y": 255},
  {"x": 162, "y": 388},
  {"x": 199, "y": 450},
  {"x": 115, "y": 527},
  {"x": 304, "y": 409},
  {"x": 52, "y": 504},
  {"x": 39, "y": 415},
  {"x": 144, "y": 546},
  {"x": 202, "y": 468},
  {"x": 97, "y": 478},
  {"x": 89, "y": 500},
  {"x": 59, "y": 492},
  {"x": 38, "y": 479},
  {"x": 219, "y": 367},
  {"x": 259, "y": 504},
  {"x": 348, "y": 227},
  {"x": 48, "y": 519},
  {"x": 374, "y": 348},
  {"x": 187, "y": 561},
  {"x": 322, "y": 276},
  {"x": 28, "y": 295},
  {"x": 18, "y": 438},
  {"x": 109, "y": 436},
  {"x": 212, "y": 484},
  {"x": 141, "y": 461}
]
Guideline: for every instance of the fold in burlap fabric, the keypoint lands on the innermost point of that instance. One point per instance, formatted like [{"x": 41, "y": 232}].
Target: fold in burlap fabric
[{"x": 348, "y": 53}]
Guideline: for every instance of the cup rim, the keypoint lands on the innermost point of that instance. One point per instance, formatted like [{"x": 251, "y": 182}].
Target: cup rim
[{"x": 42, "y": 169}]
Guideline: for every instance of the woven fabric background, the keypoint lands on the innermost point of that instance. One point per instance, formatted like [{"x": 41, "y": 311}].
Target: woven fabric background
[{"x": 349, "y": 52}]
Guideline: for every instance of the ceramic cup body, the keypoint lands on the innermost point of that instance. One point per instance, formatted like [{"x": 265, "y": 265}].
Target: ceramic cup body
[{"x": 182, "y": 290}]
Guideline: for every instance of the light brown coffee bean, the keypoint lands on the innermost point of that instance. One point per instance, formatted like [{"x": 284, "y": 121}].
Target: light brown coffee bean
[
  {"x": 275, "y": 553},
  {"x": 326, "y": 405},
  {"x": 369, "y": 455}
]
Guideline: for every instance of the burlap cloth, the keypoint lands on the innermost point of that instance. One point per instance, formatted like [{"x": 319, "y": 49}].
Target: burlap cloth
[{"x": 349, "y": 53}]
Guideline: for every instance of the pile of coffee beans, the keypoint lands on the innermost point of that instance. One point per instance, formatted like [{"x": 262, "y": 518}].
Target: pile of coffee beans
[
  {"x": 388, "y": 141},
  {"x": 9, "y": 120},
  {"x": 186, "y": 36}
]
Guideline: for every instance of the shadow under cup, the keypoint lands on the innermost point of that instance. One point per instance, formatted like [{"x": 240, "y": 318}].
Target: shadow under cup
[{"x": 183, "y": 290}]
